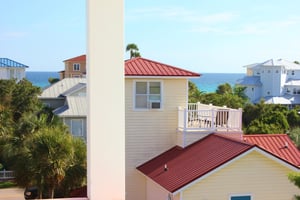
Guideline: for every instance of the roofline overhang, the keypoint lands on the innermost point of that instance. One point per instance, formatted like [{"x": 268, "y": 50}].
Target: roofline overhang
[
  {"x": 248, "y": 151},
  {"x": 162, "y": 77}
]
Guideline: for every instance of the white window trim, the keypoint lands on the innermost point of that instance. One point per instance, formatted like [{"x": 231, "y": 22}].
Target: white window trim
[
  {"x": 74, "y": 69},
  {"x": 134, "y": 95},
  {"x": 238, "y": 195}
]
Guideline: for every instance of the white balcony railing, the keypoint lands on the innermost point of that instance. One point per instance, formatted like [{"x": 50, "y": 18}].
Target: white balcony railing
[{"x": 202, "y": 117}]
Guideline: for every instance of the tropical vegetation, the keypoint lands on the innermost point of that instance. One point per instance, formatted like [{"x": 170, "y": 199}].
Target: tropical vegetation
[{"x": 36, "y": 144}]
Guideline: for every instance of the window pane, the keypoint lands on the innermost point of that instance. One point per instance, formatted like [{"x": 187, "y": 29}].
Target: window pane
[
  {"x": 154, "y": 88},
  {"x": 154, "y": 97},
  {"x": 77, "y": 127},
  {"x": 241, "y": 198},
  {"x": 141, "y": 101},
  {"x": 141, "y": 87}
]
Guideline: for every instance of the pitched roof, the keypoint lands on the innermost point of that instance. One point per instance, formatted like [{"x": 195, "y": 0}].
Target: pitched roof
[
  {"x": 145, "y": 67},
  {"x": 250, "y": 80},
  {"x": 81, "y": 58},
  {"x": 58, "y": 88},
  {"x": 5, "y": 62},
  {"x": 278, "y": 144},
  {"x": 75, "y": 106},
  {"x": 185, "y": 165},
  {"x": 279, "y": 62}
]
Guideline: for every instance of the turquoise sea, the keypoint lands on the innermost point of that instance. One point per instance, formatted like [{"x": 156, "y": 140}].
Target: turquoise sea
[{"x": 208, "y": 82}]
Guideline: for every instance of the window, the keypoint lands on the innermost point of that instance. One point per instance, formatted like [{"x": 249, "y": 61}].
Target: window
[
  {"x": 241, "y": 197},
  {"x": 76, "y": 67},
  {"x": 77, "y": 127},
  {"x": 147, "y": 95},
  {"x": 293, "y": 72}
]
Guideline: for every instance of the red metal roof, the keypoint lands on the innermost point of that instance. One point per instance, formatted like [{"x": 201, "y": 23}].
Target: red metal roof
[
  {"x": 278, "y": 144},
  {"x": 185, "y": 165},
  {"x": 145, "y": 67},
  {"x": 78, "y": 58}
]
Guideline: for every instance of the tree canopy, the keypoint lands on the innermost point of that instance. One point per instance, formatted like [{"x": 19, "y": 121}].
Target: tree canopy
[
  {"x": 133, "y": 50},
  {"x": 36, "y": 144}
]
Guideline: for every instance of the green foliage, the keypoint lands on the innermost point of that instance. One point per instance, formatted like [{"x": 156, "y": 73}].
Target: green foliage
[
  {"x": 194, "y": 93},
  {"x": 224, "y": 89},
  {"x": 294, "y": 177},
  {"x": 134, "y": 50},
  {"x": 53, "y": 80},
  {"x": 35, "y": 143},
  {"x": 294, "y": 134},
  {"x": 7, "y": 184}
]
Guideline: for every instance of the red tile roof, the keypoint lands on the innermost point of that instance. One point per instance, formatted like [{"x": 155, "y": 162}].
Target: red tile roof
[
  {"x": 145, "y": 67},
  {"x": 278, "y": 144},
  {"x": 81, "y": 58},
  {"x": 185, "y": 165}
]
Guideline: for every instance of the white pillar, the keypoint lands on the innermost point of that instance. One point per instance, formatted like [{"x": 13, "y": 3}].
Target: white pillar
[{"x": 106, "y": 123}]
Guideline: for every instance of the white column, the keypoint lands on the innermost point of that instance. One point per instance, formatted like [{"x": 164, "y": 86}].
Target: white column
[{"x": 106, "y": 123}]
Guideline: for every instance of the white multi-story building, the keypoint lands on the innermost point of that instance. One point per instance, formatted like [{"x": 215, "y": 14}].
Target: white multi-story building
[
  {"x": 10, "y": 69},
  {"x": 275, "y": 81}
]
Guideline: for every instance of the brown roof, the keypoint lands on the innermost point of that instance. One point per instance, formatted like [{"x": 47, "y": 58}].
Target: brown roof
[
  {"x": 185, "y": 165},
  {"x": 145, "y": 67},
  {"x": 278, "y": 144}
]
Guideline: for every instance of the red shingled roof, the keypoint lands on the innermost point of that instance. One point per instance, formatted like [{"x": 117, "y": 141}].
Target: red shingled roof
[
  {"x": 185, "y": 165},
  {"x": 278, "y": 144},
  {"x": 145, "y": 67},
  {"x": 78, "y": 58}
]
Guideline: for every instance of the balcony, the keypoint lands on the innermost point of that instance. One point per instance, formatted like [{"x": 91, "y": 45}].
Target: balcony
[{"x": 201, "y": 117}]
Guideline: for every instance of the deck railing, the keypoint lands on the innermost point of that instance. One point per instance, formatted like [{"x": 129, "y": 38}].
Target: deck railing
[
  {"x": 6, "y": 175},
  {"x": 202, "y": 117}
]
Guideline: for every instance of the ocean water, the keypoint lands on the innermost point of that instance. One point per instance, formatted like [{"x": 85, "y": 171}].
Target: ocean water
[
  {"x": 40, "y": 79},
  {"x": 208, "y": 82}
]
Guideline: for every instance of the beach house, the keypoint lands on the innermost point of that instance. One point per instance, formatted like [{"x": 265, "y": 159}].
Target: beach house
[
  {"x": 68, "y": 100},
  {"x": 10, "y": 69},
  {"x": 275, "y": 81},
  {"x": 74, "y": 68},
  {"x": 177, "y": 150}
]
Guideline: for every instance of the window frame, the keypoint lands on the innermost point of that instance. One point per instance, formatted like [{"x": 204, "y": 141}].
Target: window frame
[
  {"x": 148, "y": 94},
  {"x": 240, "y": 195},
  {"x": 76, "y": 67}
]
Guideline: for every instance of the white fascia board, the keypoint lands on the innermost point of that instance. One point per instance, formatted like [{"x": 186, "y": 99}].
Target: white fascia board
[{"x": 162, "y": 77}]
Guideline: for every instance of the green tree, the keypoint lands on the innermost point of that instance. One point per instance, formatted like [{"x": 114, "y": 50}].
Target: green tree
[
  {"x": 52, "y": 80},
  {"x": 194, "y": 93},
  {"x": 224, "y": 89},
  {"x": 35, "y": 143},
  {"x": 133, "y": 50},
  {"x": 294, "y": 177}
]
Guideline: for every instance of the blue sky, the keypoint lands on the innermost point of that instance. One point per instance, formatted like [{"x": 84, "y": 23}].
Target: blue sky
[{"x": 202, "y": 36}]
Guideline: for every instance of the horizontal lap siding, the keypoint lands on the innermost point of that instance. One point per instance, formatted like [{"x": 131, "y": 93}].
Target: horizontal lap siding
[
  {"x": 151, "y": 132},
  {"x": 253, "y": 174}
]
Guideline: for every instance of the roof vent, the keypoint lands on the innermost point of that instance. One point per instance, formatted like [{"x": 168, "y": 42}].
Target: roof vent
[
  {"x": 286, "y": 145},
  {"x": 166, "y": 167}
]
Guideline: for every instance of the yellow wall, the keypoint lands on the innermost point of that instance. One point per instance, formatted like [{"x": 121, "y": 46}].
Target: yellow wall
[
  {"x": 253, "y": 174},
  {"x": 69, "y": 72},
  {"x": 150, "y": 132}
]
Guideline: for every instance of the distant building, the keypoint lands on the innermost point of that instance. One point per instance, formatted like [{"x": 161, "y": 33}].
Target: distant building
[
  {"x": 10, "y": 69},
  {"x": 74, "y": 68},
  {"x": 68, "y": 99},
  {"x": 275, "y": 81}
]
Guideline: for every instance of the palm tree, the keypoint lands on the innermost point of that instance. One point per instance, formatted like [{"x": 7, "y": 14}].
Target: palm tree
[{"x": 134, "y": 50}]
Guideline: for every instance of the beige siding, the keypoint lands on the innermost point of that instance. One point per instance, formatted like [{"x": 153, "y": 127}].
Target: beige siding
[
  {"x": 155, "y": 192},
  {"x": 151, "y": 132},
  {"x": 253, "y": 174}
]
